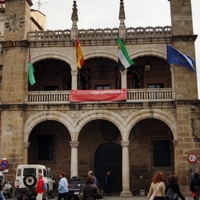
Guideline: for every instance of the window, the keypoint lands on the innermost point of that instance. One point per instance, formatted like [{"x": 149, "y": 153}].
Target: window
[
  {"x": 162, "y": 153},
  {"x": 29, "y": 171},
  {"x": 102, "y": 87},
  {"x": 161, "y": 85},
  {"x": 51, "y": 88},
  {"x": 45, "y": 147}
]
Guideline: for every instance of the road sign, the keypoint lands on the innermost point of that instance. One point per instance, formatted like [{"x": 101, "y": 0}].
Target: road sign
[
  {"x": 192, "y": 158},
  {"x": 4, "y": 164}
]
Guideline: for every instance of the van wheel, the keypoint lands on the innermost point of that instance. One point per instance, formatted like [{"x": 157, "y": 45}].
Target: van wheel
[{"x": 30, "y": 180}]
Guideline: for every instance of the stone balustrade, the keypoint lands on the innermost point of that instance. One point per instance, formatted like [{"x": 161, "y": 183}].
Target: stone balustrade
[
  {"x": 133, "y": 95},
  {"x": 107, "y": 33}
]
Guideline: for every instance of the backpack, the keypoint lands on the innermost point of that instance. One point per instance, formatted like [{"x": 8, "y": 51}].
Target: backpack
[
  {"x": 44, "y": 186},
  {"x": 171, "y": 195}
]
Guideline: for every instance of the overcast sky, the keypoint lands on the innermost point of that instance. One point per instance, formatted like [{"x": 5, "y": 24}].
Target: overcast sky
[{"x": 105, "y": 14}]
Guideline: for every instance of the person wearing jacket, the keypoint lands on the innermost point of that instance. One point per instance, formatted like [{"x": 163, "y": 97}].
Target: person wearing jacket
[
  {"x": 157, "y": 186},
  {"x": 39, "y": 187},
  {"x": 62, "y": 187},
  {"x": 172, "y": 182},
  {"x": 90, "y": 173},
  {"x": 195, "y": 185},
  {"x": 90, "y": 190}
]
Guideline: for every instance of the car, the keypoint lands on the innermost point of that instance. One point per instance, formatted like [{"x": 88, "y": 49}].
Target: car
[
  {"x": 26, "y": 179},
  {"x": 75, "y": 186},
  {"x": 8, "y": 190},
  {"x": 76, "y": 183}
]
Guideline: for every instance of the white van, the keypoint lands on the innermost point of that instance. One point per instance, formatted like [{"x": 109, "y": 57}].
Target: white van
[{"x": 26, "y": 179}]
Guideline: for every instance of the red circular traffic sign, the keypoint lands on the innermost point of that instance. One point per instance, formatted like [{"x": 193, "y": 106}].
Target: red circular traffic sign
[{"x": 192, "y": 158}]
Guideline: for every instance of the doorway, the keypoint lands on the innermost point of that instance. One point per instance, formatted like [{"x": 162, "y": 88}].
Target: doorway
[{"x": 108, "y": 157}]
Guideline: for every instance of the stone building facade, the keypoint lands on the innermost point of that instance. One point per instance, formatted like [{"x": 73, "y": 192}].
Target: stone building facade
[{"x": 155, "y": 129}]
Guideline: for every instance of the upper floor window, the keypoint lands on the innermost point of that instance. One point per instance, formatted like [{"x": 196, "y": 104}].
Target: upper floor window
[
  {"x": 161, "y": 85},
  {"x": 102, "y": 87}
]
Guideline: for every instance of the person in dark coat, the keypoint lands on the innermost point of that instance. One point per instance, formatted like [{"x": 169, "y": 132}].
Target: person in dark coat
[
  {"x": 172, "y": 182},
  {"x": 1, "y": 192},
  {"x": 90, "y": 190},
  {"x": 195, "y": 186},
  {"x": 107, "y": 183}
]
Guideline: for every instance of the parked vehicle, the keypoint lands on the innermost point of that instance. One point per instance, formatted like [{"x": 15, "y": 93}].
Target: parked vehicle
[
  {"x": 75, "y": 185},
  {"x": 8, "y": 190},
  {"x": 2, "y": 178},
  {"x": 26, "y": 179}
]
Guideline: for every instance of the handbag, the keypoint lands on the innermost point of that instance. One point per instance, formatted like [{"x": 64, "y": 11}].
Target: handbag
[
  {"x": 81, "y": 195},
  {"x": 99, "y": 196},
  {"x": 154, "y": 194},
  {"x": 171, "y": 195}
]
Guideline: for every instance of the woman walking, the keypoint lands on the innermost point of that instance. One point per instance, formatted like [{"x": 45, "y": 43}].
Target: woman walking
[
  {"x": 157, "y": 187},
  {"x": 90, "y": 190},
  {"x": 172, "y": 182}
]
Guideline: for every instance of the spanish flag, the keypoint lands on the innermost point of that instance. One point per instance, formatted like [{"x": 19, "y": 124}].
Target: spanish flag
[{"x": 79, "y": 54}]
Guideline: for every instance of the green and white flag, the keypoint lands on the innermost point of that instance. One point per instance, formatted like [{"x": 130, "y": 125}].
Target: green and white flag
[
  {"x": 124, "y": 60},
  {"x": 30, "y": 71}
]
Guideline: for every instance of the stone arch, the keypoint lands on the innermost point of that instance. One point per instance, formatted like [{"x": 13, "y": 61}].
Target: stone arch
[
  {"x": 100, "y": 53},
  {"x": 164, "y": 116},
  {"x": 55, "y": 55},
  {"x": 149, "y": 52},
  {"x": 36, "y": 118},
  {"x": 100, "y": 114}
]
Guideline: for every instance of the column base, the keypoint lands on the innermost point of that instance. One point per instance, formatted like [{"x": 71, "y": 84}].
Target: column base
[{"x": 126, "y": 194}]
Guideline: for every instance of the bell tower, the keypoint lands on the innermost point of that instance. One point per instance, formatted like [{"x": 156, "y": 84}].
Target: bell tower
[
  {"x": 17, "y": 24},
  {"x": 17, "y": 19},
  {"x": 15, "y": 79},
  {"x": 183, "y": 38}
]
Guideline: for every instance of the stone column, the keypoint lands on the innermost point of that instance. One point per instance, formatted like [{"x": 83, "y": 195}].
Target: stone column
[
  {"x": 74, "y": 79},
  {"x": 74, "y": 158},
  {"x": 175, "y": 143},
  {"x": 125, "y": 170},
  {"x": 124, "y": 79},
  {"x": 25, "y": 152}
]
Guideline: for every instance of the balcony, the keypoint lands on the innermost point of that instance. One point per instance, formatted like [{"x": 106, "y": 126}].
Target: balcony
[{"x": 133, "y": 95}]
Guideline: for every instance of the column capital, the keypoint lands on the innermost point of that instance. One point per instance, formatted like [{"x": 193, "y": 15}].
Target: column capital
[
  {"x": 175, "y": 143},
  {"x": 26, "y": 145},
  {"x": 74, "y": 143},
  {"x": 125, "y": 143}
]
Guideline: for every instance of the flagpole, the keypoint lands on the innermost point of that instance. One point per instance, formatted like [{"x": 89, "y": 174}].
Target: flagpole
[{"x": 79, "y": 78}]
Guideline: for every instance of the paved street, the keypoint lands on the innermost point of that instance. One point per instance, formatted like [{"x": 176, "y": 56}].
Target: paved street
[{"x": 117, "y": 198}]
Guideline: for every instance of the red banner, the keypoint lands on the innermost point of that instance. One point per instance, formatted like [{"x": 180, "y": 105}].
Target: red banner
[
  {"x": 2, "y": 2},
  {"x": 98, "y": 95}
]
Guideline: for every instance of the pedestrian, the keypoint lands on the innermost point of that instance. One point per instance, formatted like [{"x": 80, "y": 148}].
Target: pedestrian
[
  {"x": 172, "y": 182},
  {"x": 195, "y": 186},
  {"x": 90, "y": 190},
  {"x": 1, "y": 192},
  {"x": 157, "y": 187},
  {"x": 62, "y": 187},
  {"x": 90, "y": 173},
  {"x": 107, "y": 183},
  {"x": 39, "y": 187}
]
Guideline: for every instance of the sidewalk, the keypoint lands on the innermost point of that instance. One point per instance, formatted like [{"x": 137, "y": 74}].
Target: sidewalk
[{"x": 132, "y": 198}]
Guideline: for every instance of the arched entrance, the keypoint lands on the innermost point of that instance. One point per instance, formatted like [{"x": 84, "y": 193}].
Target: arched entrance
[
  {"x": 49, "y": 145},
  {"x": 108, "y": 157}
]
